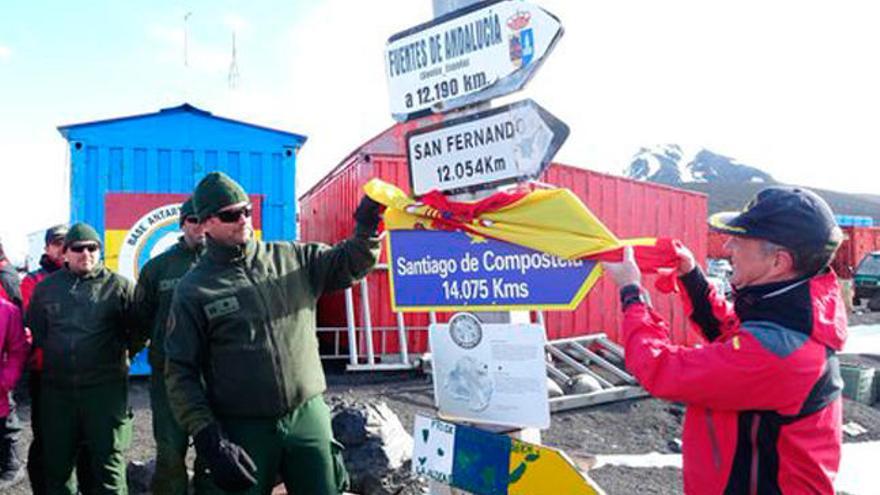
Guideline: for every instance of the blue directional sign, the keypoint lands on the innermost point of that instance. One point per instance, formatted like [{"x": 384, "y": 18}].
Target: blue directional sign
[{"x": 445, "y": 271}]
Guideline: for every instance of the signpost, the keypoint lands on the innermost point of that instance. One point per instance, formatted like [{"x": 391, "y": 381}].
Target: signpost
[
  {"x": 486, "y": 463},
  {"x": 446, "y": 271},
  {"x": 467, "y": 56},
  {"x": 470, "y": 53},
  {"x": 490, "y": 373},
  {"x": 480, "y": 151}
]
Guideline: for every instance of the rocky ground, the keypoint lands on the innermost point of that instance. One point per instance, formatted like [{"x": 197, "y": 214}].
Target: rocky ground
[{"x": 628, "y": 427}]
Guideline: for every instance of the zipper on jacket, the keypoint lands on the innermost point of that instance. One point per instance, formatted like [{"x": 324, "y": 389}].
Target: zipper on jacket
[
  {"x": 753, "y": 469},
  {"x": 279, "y": 375},
  {"x": 73, "y": 373},
  {"x": 713, "y": 440}
]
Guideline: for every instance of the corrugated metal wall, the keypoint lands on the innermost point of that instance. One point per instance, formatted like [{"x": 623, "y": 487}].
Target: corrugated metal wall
[
  {"x": 629, "y": 208},
  {"x": 858, "y": 242},
  {"x": 170, "y": 151}
]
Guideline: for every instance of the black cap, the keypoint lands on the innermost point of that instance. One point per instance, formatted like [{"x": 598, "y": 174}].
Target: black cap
[
  {"x": 790, "y": 217},
  {"x": 55, "y": 232}
]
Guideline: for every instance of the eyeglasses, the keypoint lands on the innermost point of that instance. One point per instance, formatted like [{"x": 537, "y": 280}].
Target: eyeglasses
[
  {"x": 231, "y": 216},
  {"x": 84, "y": 247},
  {"x": 191, "y": 219}
]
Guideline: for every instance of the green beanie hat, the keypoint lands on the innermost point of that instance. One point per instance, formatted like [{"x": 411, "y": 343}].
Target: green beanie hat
[
  {"x": 81, "y": 232},
  {"x": 215, "y": 192},
  {"x": 186, "y": 210}
]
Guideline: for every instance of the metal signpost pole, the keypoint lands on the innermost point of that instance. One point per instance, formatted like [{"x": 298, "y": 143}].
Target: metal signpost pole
[
  {"x": 471, "y": 52},
  {"x": 442, "y": 7}
]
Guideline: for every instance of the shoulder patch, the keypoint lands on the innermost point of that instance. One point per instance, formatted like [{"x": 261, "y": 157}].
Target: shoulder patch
[
  {"x": 775, "y": 338},
  {"x": 168, "y": 284},
  {"x": 221, "y": 307}
]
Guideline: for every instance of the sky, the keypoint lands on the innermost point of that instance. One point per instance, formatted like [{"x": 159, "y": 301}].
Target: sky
[{"x": 789, "y": 87}]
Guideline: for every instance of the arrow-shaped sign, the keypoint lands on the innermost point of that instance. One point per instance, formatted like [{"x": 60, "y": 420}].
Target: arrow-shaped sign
[
  {"x": 486, "y": 463},
  {"x": 470, "y": 55},
  {"x": 435, "y": 270},
  {"x": 502, "y": 145}
]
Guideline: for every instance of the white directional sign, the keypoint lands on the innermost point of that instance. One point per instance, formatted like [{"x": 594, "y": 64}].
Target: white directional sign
[
  {"x": 471, "y": 55},
  {"x": 479, "y": 151}
]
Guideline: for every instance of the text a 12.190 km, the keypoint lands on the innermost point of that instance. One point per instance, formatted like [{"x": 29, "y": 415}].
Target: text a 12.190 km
[{"x": 443, "y": 90}]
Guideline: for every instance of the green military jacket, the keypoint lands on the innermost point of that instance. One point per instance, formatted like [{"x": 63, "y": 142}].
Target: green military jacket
[
  {"x": 152, "y": 296},
  {"x": 242, "y": 333},
  {"x": 85, "y": 325}
]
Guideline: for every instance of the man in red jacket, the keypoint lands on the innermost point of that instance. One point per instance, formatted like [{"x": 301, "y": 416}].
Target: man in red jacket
[{"x": 763, "y": 393}]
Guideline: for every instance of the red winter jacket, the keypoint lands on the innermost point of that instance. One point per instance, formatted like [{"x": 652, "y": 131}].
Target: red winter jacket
[
  {"x": 763, "y": 395},
  {"x": 13, "y": 352}
]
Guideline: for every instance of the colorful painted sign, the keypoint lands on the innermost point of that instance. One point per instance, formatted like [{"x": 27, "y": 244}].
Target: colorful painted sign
[
  {"x": 490, "y": 373},
  {"x": 138, "y": 226},
  {"x": 499, "y": 146},
  {"x": 471, "y": 55},
  {"x": 446, "y": 271},
  {"x": 487, "y": 463}
]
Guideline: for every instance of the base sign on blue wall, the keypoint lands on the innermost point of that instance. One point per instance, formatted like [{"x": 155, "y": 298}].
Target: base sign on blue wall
[{"x": 444, "y": 271}]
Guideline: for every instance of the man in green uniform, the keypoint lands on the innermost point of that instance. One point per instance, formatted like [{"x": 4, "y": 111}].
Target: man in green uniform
[
  {"x": 81, "y": 317},
  {"x": 155, "y": 286},
  {"x": 243, "y": 372}
]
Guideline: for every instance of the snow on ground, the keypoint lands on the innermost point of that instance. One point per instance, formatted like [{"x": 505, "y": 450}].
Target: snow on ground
[{"x": 858, "y": 466}]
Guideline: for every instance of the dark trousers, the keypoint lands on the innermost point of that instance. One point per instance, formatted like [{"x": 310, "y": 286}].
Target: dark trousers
[
  {"x": 36, "y": 471},
  {"x": 10, "y": 429},
  {"x": 298, "y": 446},
  {"x": 170, "y": 477}
]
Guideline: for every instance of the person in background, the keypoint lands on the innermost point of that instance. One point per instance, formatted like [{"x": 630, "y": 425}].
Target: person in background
[
  {"x": 155, "y": 286},
  {"x": 10, "y": 284},
  {"x": 51, "y": 261},
  {"x": 13, "y": 354},
  {"x": 10, "y": 426},
  {"x": 81, "y": 317}
]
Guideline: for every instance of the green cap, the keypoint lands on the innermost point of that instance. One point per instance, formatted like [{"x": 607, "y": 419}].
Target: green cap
[
  {"x": 215, "y": 192},
  {"x": 187, "y": 209},
  {"x": 81, "y": 232}
]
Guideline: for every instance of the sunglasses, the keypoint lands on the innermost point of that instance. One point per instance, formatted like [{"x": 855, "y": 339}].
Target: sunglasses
[
  {"x": 84, "y": 247},
  {"x": 231, "y": 216}
]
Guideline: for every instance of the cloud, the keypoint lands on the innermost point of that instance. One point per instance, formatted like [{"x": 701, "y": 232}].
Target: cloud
[{"x": 5, "y": 53}]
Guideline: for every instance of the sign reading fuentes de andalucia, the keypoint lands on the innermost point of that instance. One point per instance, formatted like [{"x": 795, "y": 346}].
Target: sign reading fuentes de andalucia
[
  {"x": 470, "y": 55},
  {"x": 507, "y": 144}
]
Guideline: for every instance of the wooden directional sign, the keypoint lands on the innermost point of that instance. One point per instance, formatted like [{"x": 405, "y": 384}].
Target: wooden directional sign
[
  {"x": 432, "y": 270},
  {"x": 484, "y": 150},
  {"x": 486, "y": 463},
  {"x": 470, "y": 55}
]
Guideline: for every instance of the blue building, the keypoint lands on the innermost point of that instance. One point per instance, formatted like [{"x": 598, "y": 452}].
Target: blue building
[{"x": 170, "y": 150}]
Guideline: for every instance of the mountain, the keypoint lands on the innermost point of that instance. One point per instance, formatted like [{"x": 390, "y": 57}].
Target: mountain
[
  {"x": 728, "y": 183},
  {"x": 669, "y": 164}
]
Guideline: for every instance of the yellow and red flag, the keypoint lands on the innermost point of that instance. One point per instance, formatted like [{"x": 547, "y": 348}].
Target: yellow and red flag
[{"x": 553, "y": 221}]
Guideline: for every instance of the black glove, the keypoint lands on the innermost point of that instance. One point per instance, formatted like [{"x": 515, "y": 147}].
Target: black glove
[
  {"x": 232, "y": 469},
  {"x": 367, "y": 214}
]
